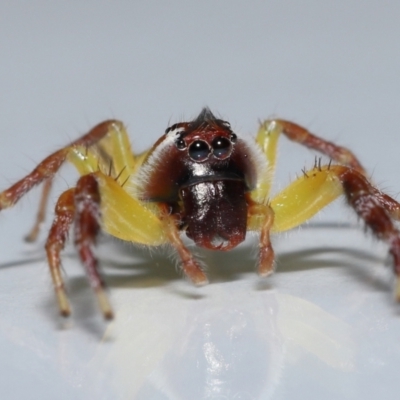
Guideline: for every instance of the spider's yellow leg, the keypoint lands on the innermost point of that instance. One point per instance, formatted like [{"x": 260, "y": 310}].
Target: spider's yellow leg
[
  {"x": 123, "y": 216},
  {"x": 304, "y": 197},
  {"x": 115, "y": 149},
  {"x": 127, "y": 218}
]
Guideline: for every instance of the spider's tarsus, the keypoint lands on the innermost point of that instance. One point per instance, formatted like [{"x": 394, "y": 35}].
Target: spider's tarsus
[
  {"x": 201, "y": 282},
  {"x": 62, "y": 299},
  {"x": 397, "y": 289},
  {"x": 65, "y": 313},
  {"x": 104, "y": 304},
  {"x": 266, "y": 273},
  {"x": 109, "y": 316},
  {"x": 32, "y": 236}
]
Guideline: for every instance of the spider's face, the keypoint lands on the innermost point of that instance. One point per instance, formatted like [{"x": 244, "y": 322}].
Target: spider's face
[
  {"x": 204, "y": 140},
  {"x": 203, "y": 150}
]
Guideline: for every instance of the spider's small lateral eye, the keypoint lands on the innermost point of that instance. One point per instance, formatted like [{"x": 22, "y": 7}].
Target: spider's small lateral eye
[
  {"x": 221, "y": 147},
  {"x": 199, "y": 151},
  {"x": 171, "y": 128},
  {"x": 181, "y": 144},
  {"x": 233, "y": 137}
]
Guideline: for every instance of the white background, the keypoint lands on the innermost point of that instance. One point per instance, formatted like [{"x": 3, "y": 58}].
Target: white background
[{"x": 325, "y": 326}]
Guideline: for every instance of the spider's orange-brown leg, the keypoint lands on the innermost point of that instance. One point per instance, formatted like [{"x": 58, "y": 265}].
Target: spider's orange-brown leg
[
  {"x": 362, "y": 196},
  {"x": 191, "y": 268},
  {"x": 266, "y": 255},
  {"x": 79, "y": 206},
  {"x": 64, "y": 216},
  {"x": 86, "y": 228},
  {"x": 301, "y": 135},
  {"x": 46, "y": 170}
]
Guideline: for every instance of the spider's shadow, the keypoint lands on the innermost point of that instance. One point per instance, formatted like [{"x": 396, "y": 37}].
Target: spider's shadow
[{"x": 157, "y": 269}]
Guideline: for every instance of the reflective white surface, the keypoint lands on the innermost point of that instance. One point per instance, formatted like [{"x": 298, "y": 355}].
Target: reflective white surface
[{"x": 325, "y": 325}]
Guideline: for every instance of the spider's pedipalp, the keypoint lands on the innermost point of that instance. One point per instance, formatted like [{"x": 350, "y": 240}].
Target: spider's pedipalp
[
  {"x": 266, "y": 255},
  {"x": 190, "y": 266}
]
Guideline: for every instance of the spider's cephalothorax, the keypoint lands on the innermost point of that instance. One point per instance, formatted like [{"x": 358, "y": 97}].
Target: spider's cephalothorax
[
  {"x": 203, "y": 171},
  {"x": 201, "y": 178}
]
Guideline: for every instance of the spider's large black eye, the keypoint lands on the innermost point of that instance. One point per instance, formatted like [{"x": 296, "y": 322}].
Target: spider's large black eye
[
  {"x": 199, "y": 151},
  {"x": 221, "y": 147}
]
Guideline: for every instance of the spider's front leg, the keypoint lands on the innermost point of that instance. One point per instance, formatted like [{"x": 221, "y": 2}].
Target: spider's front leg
[
  {"x": 47, "y": 168},
  {"x": 303, "y": 136},
  {"x": 79, "y": 206},
  {"x": 318, "y": 187}
]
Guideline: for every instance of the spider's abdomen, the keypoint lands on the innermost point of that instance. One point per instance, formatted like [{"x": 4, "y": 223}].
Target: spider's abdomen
[{"x": 215, "y": 213}]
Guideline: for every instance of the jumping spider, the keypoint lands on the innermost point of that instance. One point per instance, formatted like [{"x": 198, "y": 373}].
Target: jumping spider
[{"x": 199, "y": 178}]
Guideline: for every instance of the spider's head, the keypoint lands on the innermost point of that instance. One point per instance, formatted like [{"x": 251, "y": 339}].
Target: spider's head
[
  {"x": 202, "y": 150},
  {"x": 206, "y": 138}
]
